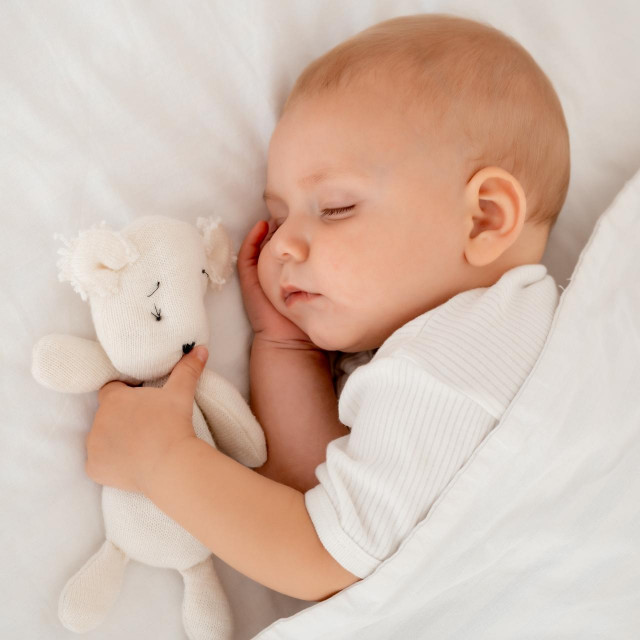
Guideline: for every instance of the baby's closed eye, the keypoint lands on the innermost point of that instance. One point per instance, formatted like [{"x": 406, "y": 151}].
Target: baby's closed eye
[
  {"x": 275, "y": 224},
  {"x": 334, "y": 212}
]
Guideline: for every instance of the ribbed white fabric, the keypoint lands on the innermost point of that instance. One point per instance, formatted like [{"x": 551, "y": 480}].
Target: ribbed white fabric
[{"x": 419, "y": 408}]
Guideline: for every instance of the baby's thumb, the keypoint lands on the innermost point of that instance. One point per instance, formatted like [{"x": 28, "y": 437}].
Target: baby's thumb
[{"x": 185, "y": 375}]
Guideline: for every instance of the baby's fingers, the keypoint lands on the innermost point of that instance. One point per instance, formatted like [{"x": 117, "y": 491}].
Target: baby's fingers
[
  {"x": 250, "y": 250},
  {"x": 250, "y": 247}
]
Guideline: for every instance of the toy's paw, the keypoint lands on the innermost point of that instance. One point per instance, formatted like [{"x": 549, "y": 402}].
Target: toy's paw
[
  {"x": 206, "y": 612},
  {"x": 234, "y": 428},
  {"x": 90, "y": 593},
  {"x": 47, "y": 362},
  {"x": 71, "y": 364}
]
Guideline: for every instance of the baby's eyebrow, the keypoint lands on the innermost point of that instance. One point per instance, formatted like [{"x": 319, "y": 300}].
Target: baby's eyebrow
[{"x": 317, "y": 178}]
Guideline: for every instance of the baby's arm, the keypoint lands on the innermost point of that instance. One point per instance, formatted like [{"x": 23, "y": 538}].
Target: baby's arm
[
  {"x": 142, "y": 439},
  {"x": 293, "y": 398}
]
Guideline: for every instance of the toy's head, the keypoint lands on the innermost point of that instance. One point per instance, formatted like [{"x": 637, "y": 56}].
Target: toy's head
[{"x": 146, "y": 285}]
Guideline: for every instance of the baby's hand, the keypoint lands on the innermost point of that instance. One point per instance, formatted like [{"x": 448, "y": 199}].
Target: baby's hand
[
  {"x": 267, "y": 322},
  {"x": 135, "y": 427}
]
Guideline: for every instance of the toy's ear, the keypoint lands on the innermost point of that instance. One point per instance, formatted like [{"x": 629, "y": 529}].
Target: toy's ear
[
  {"x": 219, "y": 249},
  {"x": 91, "y": 262}
]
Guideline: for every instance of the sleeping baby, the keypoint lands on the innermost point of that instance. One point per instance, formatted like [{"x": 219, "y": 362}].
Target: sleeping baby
[{"x": 412, "y": 182}]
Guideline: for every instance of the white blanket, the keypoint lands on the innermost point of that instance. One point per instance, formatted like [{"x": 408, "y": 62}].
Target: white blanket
[{"x": 111, "y": 110}]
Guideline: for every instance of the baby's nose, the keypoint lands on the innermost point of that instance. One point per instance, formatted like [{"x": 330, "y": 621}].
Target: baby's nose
[
  {"x": 289, "y": 244},
  {"x": 187, "y": 347}
]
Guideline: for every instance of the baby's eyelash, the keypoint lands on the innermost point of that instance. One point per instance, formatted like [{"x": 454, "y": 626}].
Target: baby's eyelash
[
  {"x": 328, "y": 213},
  {"x": 337, "y": 211}
]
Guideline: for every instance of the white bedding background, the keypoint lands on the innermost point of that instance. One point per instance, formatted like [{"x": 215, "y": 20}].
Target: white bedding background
[{"x": 112, "y": 110}]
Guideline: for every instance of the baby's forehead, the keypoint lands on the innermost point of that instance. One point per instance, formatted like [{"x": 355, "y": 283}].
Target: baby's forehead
[
  {"x": 358, "y": 112},
  {"x": 370, "y": 146}
]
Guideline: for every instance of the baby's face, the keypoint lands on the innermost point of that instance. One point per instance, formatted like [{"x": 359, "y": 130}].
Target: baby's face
[{"x": 365, "y": 215}]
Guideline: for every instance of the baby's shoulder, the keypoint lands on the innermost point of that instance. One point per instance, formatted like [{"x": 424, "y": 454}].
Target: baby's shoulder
[{"x": 483, "y": 342}]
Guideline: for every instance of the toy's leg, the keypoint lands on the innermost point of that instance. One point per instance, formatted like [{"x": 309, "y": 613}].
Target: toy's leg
[
  {"x": 89, "y": 594},
  {"x": 206, "y": 613}
]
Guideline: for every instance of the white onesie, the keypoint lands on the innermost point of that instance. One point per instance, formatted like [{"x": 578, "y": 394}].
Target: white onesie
[{"x": 419, "y": 408}]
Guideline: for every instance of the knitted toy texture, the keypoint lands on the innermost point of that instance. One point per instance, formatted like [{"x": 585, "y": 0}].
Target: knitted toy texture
[{"x": 145, "y": 286}]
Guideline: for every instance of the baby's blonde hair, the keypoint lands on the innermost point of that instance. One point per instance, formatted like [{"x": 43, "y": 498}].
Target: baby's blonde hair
[{"x": 478, "y": 82}]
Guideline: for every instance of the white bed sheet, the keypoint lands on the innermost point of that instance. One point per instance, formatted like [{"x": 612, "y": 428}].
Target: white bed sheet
[{"x": 115, "y": 110}]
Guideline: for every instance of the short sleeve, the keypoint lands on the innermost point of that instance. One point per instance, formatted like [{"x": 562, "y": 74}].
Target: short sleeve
[{"x": 410, "y": 434}]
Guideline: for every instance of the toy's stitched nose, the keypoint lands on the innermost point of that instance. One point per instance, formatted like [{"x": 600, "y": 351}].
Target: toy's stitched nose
[{"x": 187, "y": 347}]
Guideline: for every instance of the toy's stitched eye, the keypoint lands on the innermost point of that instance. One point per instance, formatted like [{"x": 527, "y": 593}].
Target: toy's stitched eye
[
  {"x": 156, "y": 315},
  {"x": 203, "y": 271},
  {"x": 157, "y": 287}
]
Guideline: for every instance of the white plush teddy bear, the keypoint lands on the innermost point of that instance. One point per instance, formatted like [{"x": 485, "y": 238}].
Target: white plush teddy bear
[{"x": 145, "y": 287}]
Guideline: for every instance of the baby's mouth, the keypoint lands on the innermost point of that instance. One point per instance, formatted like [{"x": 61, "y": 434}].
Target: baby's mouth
[
  {"x": 291, "y": 294},
  {"x": 288, "y": 290},
  {"x": 300, "y": 296}
]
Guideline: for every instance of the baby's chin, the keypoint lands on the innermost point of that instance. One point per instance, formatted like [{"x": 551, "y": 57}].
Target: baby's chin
[
  {"x": 322, "y": 342},
  {"x": 323, "y": 334},
  {"x": 336, "y": 342}
]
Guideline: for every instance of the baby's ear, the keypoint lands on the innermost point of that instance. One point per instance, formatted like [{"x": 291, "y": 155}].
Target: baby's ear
[
  {"x": 496, "y": 211},
  {"x": 219, "y": 249},
  {"x": 91, "y": 262}
]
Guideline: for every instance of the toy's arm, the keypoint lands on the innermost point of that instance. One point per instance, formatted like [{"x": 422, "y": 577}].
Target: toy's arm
[
  {"x": 73, "y": 365},
  {"x": 234, "y": 428}
]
